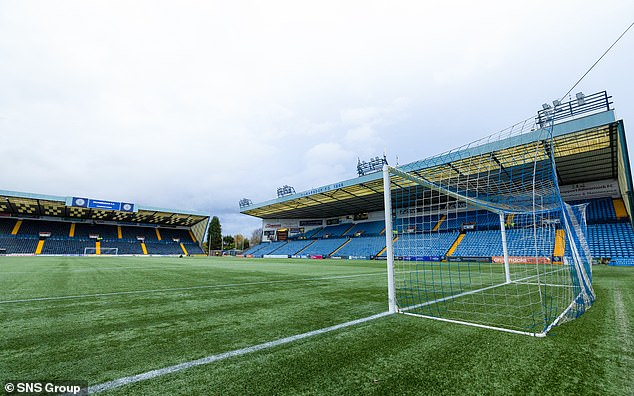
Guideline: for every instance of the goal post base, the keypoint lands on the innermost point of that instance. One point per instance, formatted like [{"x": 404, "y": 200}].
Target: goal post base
[{"x": 526, "y": 333}]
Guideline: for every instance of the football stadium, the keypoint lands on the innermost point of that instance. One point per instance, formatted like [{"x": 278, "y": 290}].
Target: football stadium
[
  {"x": 48, "y": 225},
  {"x": 500, "y": 267}
]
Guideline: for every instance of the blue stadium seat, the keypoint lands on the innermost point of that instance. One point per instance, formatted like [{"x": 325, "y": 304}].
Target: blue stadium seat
[
  {"x": 599, "y": 210},
  {"x": 6, "y": 226},
  {"x": 34, "y": 227},
  {"x": 622, "y": 262},
  {"x": 370, "y": 228},
  {"x": 84, "y": 230},
  {"x": 293, "y": 247},
  {"x": 266, "y": 248},
  {"x": 25, "y": 242},
  {"x": 324, "y": 247},
  {"x": 61, "y": 245},
  {"x": 611, "y": 240},
  {"x": 18, "y": 245},
  {"x": 163, "y": 248},
  {"x": 124, "y": 247},
  {"x": 519, "y": 242},
  {"x": 333, "y": 231},
  {"x": 362, "y": 247},
  {"x": 171, "y": 233},
  {"x": 419, "y": 245},
  {"x": 130, "y": 233}
]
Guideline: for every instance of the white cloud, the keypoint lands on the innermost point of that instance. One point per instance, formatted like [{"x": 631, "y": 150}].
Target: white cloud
[
  {"x": 322, "y": 162},
  {"x": 362, "y": 137}
]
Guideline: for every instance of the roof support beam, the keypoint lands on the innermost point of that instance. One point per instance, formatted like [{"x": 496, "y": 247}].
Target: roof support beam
[{"x": 497, "y": 161}]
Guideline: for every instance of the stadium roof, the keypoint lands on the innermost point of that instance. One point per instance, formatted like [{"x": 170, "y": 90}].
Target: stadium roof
[
  {"x": 20, "y": 204},
  {"x": 585, "y": 148}
]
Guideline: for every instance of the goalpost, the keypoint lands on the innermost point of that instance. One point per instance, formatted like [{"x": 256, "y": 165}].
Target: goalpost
[
  {"x": 102, "y": 251},
  {"x": 481, "y": 236}
]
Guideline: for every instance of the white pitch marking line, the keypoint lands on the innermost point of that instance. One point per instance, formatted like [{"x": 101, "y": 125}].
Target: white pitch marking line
[
  {"x": 624, "y": 329},
  {"x": 97, "y": 269},
  {"x": 214, "y": 358},
  {"x": 187, "y": 288}
]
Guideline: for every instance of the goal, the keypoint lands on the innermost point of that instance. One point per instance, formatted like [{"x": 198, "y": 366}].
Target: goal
[
  {"x": 481, "y": 236},
  {"x": 102, "y": 251}
]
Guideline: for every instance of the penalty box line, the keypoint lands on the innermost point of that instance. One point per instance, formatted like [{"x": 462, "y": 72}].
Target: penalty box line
[
  {"x": 214, "y": 358},
  {"x": 80, "y": 296}
]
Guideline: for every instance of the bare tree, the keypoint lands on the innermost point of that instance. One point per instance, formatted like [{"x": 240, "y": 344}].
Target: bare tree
[
  {"x": 256, "y": 236},
  {"x": 241, "y": 242}
]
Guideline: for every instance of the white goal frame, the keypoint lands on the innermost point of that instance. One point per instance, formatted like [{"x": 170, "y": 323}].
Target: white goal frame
[
  {"x": 506, "y": 281},
  {"x": 107, "y": 251}
]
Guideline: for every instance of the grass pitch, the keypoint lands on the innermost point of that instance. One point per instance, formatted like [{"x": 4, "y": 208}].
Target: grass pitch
[{"x": 99, "y": 319}]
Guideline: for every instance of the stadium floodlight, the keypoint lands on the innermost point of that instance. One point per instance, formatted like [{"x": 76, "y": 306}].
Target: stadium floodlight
[
  {"x": 556, "y": 103},
  {"x": 285, "y": 190},
  {"x": 546, "y": 106},
  {"x": 245, "y": 202},
  {"x": 373, "y": 165},
  {"x": 581, "y": 99},
  {"x": 523, "y": 264}
]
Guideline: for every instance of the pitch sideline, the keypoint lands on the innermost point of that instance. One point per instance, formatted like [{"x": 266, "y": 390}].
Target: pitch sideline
[{"x": 214, "y": 358}]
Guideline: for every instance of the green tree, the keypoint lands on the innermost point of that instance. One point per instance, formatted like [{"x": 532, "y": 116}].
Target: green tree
[
  {"x": 228, "y": 242},
  {"x": 214, "y": 236}
]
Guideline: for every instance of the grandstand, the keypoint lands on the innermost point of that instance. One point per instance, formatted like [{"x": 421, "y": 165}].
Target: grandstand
[
  {"x": 345, "y": 219},
  {"x": 34, "y": 224}
]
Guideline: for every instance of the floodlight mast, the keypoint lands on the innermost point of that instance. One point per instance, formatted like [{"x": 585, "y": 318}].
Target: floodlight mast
[
  {"x": 245, "y": 202},
  {"x": 285, "y": 190},
  {"x": 563, "y": 111},
  {"x": 373, "y": 165}
]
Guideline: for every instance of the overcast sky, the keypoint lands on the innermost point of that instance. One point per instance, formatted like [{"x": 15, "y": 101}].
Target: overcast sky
[{"x": 195, "y": 105}]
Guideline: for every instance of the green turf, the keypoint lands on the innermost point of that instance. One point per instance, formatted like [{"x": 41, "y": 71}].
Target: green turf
[{"x": 218, "y": 305}]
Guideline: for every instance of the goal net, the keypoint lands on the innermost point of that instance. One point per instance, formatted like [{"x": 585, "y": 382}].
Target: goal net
[
  {"x": 102, "y": 251},
  {"x": 481, "y": 236}
]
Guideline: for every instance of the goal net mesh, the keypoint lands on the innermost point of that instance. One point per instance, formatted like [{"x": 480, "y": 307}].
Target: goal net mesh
[
  {"x": 481, "y": 236},
  {"x": 101, "y": 251}
]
